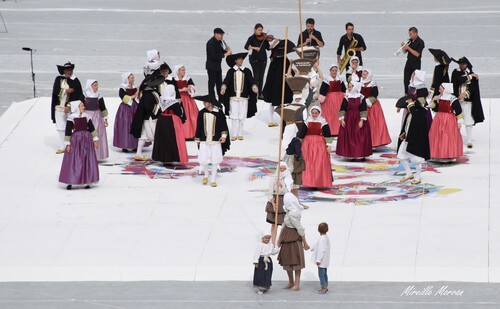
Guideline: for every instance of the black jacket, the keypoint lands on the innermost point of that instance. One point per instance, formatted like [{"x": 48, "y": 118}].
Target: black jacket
[
  {"x": 246, "y": 91},
  {"x": 215, "y": 54},
  {"x": 76, "y": 95}
]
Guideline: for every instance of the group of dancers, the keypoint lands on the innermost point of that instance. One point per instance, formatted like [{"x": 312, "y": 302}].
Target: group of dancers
[{"x": 162, "y": 112}]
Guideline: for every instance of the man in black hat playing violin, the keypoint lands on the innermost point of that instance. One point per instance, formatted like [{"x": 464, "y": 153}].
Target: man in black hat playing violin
[
  {"x": 66, "y": 88},
  {"x": 216, "y": 50},
  {"x": 239, "y": 94},
  {"x": 466, "y": 88}
]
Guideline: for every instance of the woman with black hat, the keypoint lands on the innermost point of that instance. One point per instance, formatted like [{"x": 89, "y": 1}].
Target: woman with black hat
[
  {"x": 238, "y": 94},
  {"x": 211, "y": 137},
  {"x": 66, "y": 88}
]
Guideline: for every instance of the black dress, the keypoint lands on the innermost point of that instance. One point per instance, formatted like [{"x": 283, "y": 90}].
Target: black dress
[
  {"x": 274, "y": 80},
  {"x": 167, "y": 146}
]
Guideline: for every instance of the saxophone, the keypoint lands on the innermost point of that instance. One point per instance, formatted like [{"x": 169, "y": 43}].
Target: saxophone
[{"x": 349, "y": 53}]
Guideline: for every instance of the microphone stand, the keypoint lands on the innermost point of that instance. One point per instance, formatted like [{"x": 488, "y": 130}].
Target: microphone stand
[{"x": 32, "y": 73}]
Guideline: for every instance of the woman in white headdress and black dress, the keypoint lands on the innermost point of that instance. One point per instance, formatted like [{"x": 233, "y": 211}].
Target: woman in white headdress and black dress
[
  {"x": 285, "y": 186},
  {"x": 169, "y": 142},
  {"x": 332, "y": 94},
  {"x": 355, "y": 71},
  {"x": 354, "y": 141},
  {"x": 378, "y": 126},
  {"x": 316, "y": 150},
  {"x": 129, "y": 94},
  {"x": 96, "y": 109},
  {"x": 292, "y": 242},
  {"x": 79, "y": 165},
  {"x": 444, "y": 136},
  {"x": 187, "y": 90},
  {"x": 416, "y": 89}
]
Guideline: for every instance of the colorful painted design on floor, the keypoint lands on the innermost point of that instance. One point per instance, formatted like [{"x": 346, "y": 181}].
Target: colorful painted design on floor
[
  {"x": 368, "y": 193},
  {"x": 355, "y": 192}
]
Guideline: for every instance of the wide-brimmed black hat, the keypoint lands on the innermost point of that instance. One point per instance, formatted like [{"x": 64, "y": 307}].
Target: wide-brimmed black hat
[
  {"x": 440, "y": 55},
  {"x": 401, "y": 103},
  {"x": 289, "y": 48},
  {"x": 208, "y": 98},
  {"x": 67, "y": 65},
  {"x": 231, "y": 59},
  {"x": 463, "y": 60}
]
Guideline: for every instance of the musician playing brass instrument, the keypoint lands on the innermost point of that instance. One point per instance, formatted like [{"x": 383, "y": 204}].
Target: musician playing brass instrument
[
  {"x": 414, "y": 50},
  {"x": 346, "y": 42}
]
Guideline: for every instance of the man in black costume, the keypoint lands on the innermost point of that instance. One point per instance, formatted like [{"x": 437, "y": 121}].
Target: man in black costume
[
  {"x": 211, "y": 137},
  {"x": 66, "y": 88},
  {"x": 239, "y": 94},
  {"x": 466, "y": 88},
  {"x": 346, "y": 40},
  {"x": 310, "y": 36}
]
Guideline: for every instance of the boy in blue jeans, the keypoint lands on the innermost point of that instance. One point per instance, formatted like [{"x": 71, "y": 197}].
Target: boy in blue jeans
[{"x": 321, "y": 256}]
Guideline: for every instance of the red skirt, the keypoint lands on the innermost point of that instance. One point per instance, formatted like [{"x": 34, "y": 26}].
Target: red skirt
[
  {"x": 191, "y": 111},
  {"x": 318, "y": 172},
  {"x": 444, "y": 137},
  {"x": 378, "y": 127},
  {"x": 330, "y": 110}
]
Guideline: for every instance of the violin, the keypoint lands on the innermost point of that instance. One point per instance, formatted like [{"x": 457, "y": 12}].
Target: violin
[{"x": 265, "y": 37}]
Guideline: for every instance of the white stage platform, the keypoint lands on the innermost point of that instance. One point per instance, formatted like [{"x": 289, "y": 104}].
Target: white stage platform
[{"x": 134, "y": 226}]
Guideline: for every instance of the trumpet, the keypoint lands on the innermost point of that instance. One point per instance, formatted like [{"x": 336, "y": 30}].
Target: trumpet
[
  {"x": 401, "y": 48},
  {"x": 349, "y": 53}
]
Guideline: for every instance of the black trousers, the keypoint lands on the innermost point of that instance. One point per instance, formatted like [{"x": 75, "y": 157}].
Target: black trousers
[
  {"x": 214, "y": 80},
  {"x": 409, "y": 68},
  {"x": 258, "y": 68}
]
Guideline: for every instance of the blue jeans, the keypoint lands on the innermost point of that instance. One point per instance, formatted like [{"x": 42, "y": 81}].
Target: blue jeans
[{"x": 323, "y": 277}]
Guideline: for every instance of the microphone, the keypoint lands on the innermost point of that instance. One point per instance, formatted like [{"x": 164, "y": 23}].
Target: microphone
[{"x": 27, "y": 49}]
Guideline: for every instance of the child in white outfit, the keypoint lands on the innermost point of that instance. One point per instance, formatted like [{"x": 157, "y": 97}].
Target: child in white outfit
[{"x": 321, "y": 256}]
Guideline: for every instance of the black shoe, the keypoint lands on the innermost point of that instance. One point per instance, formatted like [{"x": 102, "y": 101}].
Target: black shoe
[
  {"x": 87, "y": 187},
  {"x": 125, "y": 150},
  {"x": 134, "y": 150},
  {"x": 68, "y": 187}
]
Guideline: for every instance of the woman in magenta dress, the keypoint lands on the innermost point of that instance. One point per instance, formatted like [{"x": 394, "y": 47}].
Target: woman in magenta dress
[
  {"x": 332, "y": 94},
  {"x": 354, "y": 139},
  {"x": 378, "y": 126},
  {"x": 79, "y": 165},
  {"x": 444, "y": 136},
  {"x": 316, "y": 150},
  {"x": 129, "y": 94},
  {"x": 96, "y": 109},
  {"x": 187, "y": 90}
]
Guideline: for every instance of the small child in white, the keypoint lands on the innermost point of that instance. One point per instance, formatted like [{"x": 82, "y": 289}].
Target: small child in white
[
  {"x": 321, "y": 256},
  {"x": 263, "y": 264}
]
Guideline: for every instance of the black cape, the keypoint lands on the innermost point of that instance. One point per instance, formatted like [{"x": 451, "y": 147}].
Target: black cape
[
  {"x": 220, "y": 127},
  {"x": 440, "y": 76},
  {"x": 457, "y": 79},
  {"x": 418, "y": 132},
  {"x": 272, "y": 89},
  {"x": 165, "y": 147},
  {"x": 76, "y": 95},
  {"x": 246, "y": 92},
  {"x": 145, "y": 110}
]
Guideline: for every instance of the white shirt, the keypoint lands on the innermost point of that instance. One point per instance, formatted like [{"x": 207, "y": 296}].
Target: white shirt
[
  {"x": 265, "y": 250},
  {"x": 321, "y": 252}
]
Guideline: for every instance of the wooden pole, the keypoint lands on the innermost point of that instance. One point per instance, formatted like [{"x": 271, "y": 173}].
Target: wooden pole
[
  {"x": 301, "y": 38},
  {"x": 280, "y": 135}
]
